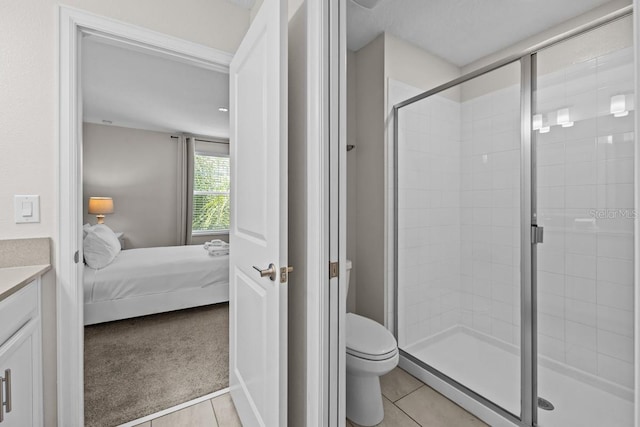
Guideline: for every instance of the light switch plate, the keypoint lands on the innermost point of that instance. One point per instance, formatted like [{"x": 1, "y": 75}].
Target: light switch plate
[{"x": 27, "y": 209}]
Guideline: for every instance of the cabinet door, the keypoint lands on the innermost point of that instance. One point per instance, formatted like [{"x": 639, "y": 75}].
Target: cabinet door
[{"x": 18, "y": 355}]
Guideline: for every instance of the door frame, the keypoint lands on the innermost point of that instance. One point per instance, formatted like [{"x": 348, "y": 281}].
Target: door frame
[{"x": 73, "y": 24}]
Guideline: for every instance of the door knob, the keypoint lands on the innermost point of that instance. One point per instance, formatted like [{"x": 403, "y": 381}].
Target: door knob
[{"x": 271, "y": 272}]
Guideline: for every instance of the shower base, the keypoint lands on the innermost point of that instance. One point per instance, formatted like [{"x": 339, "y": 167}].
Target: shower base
[{"x": 491, "y": 368}]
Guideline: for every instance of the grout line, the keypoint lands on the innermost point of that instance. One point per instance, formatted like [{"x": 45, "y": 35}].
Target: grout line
[
  {"x": 215, "y": 416},
  {"x": 407, "y": 394},
  {"x": 402, "y": 410},
  {"x": 176, "y": 408}
]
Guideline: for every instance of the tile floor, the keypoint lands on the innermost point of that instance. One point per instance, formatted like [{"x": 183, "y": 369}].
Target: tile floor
[
  {"x": 410, "y": 403},
  {"x": 216, "y": 412},
  {"x": 407, "y": 403}
]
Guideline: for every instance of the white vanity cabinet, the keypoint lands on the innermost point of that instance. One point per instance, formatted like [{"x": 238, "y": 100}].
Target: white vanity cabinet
[{"x": 21, "y": 358}]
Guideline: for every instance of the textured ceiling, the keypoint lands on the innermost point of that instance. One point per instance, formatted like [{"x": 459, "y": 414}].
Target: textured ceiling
[
  {"x": 460, "y": 31},
  {"x": 134, "y": 89}
]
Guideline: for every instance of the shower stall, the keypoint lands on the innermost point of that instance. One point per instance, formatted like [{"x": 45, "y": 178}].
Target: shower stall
[{"x": 514, "y": 228}]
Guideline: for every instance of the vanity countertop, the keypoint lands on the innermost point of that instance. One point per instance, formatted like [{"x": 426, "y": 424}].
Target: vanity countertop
[{"x": 12, "y": 279}]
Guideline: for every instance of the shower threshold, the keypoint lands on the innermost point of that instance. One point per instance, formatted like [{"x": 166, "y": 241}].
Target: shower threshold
[{"x": 491, "y": 368}]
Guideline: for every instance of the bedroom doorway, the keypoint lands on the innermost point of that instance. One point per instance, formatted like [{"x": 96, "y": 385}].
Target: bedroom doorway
[{"x": 156, "y": 310}]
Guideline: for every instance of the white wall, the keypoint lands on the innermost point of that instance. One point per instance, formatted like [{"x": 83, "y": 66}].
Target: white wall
[
  {"x": 298, "y": 214},
  {"x": 386, "y": 57},
  {"x": 139, "y": 169},
  {"x": 352, "y": 173},
  {"x": 370, "y": 184},
  {"x": 29, "y": 84}
]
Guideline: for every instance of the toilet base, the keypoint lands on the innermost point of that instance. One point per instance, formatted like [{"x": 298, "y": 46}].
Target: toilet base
[{"x": 364, "y": 399}]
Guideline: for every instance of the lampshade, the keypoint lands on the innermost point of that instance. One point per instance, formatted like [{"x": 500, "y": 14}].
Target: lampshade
[{"x": 100, "y": 206}]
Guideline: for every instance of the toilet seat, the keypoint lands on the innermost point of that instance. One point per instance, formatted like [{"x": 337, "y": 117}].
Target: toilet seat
[{"x": 367, "y": 339}]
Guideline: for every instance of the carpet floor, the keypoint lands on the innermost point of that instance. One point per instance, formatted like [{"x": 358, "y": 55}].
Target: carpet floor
[{"x": 136, "y": 367}]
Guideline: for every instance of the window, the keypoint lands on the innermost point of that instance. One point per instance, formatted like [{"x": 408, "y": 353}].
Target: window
[{"x": 210, "y": 194}]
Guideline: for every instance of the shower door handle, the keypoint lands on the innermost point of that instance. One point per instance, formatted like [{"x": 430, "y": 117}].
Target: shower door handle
[{"x": 537, "y": 234}]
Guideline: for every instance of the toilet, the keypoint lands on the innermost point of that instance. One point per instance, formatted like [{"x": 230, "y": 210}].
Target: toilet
[{"x": 372, "y": 351}]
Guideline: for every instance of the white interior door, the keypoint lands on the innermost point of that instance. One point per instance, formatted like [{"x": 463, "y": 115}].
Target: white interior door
[{"x": 258, "y": 237}]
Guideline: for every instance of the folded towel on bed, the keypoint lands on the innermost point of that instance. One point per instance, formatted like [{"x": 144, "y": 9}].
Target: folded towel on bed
[{"x": 217, "y": 247}]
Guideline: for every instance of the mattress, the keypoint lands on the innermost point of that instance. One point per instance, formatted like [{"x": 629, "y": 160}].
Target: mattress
[{"x": 148, "y": 271}]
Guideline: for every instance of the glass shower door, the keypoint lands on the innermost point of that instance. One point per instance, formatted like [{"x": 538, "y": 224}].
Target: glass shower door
[
  {"x": 583, "y": 128},
  {"x": 458, "y": 234}
]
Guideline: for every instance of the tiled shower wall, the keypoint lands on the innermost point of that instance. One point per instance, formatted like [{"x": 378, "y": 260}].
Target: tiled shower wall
[
  {"x": 428, "y": 215},
  {"x": 459, "y": 217},
  {"x": 490, "y": 212},
  {"x": 585, "y": 182}
]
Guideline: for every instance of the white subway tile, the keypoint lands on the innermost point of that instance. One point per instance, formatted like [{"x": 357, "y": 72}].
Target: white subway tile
[
  {"x": 581, "y": 335},
  {"x": 502, "y": 330},
  {"x": 615, "y": 295},
  {"x": 551, "y": 154},
  {"x": 551, "y": 261},
  {"x": 617, "y": 171},
  {"x": 583, "y": 173},
  {"x": 615, "y": 370},
  {"x": 615, "y": 320},
  {"x": 551, "y": 347},
  {"x": 615, "y": 246},
  {"x": 582, "y": 150},
  {"x": 615, "y": 270},
  {"x": 552, "y": 283},
  {"x": 580, "y": 288},
  {"x": 580, "y": 265},
  {"x": 551, "y": 326},
  {"x": 615, "y": 345},
  {"x": 580, "y": 196},
  {"x": 583, "y": 243},
  {"x": 615, "y": 196},
  {"x": 551, "y": 176},
  {"x": 551, "y": 304},
  {"x": 582, "y": 358},
  {"x": 581, "y": 312},
  {"x": 482, "y": 322}
]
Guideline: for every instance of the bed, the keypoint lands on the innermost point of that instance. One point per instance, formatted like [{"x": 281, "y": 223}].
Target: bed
[{"x": 145, "y": 281}]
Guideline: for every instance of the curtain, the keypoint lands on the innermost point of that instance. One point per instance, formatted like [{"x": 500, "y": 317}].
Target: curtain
[{"x": 186, "y": 153}]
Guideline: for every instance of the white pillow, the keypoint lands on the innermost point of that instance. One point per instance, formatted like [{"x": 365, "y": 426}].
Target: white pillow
[
  {"x": 85, "y": 230},
  {"x": 101, "y": 246}
]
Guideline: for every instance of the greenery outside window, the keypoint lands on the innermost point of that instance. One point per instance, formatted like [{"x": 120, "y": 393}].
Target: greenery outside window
[{"x": 210, "y": 194}]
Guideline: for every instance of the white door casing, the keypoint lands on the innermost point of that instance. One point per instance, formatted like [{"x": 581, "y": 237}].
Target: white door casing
[{"x": 258, "y": 236}]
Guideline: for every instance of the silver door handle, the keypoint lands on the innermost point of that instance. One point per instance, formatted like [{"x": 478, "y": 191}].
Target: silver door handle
[
  {"x": 271, "y": 272},
  {"x": 7, "y": 381}
]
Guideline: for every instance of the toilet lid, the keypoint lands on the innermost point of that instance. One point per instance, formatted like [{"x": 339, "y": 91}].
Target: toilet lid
[{"x": 368, "y": 339}]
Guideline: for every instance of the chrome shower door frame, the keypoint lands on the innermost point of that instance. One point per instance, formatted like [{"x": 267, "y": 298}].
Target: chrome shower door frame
[{"x": 528, "y": 220}]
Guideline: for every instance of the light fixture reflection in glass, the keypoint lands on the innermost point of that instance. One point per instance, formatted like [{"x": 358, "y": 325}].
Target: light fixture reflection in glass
[
  {"x": 564, "y": 118},
  {"x": 545, "y": 129},
  {"x": 619, "y": 106},
  {"x": 537, "y": 121}
]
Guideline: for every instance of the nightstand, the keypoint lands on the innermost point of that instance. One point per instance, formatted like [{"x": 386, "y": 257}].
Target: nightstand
[{"x": 120, "y": 236}]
